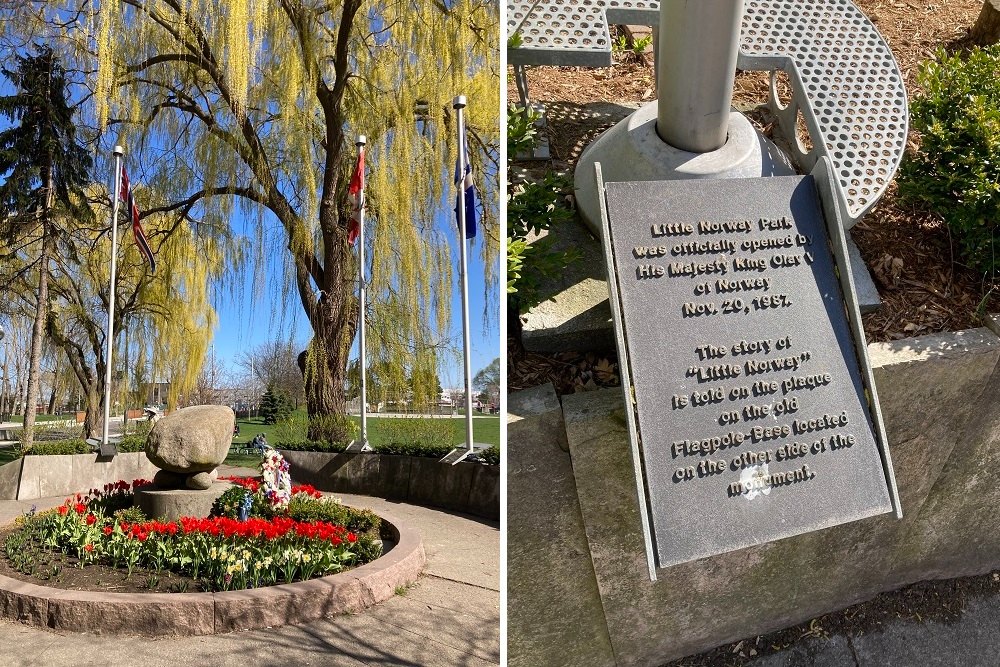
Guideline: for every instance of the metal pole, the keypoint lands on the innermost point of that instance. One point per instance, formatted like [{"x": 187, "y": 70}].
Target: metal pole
[
  {"x": 5, "y": 387},
  {"x": 362, "y": 297},
  {"x": 696, "y": 66},
  {"x": 125, "y": 381},
  {"x": 109, "y": 338},
  {"x": 460, "y": 115}
]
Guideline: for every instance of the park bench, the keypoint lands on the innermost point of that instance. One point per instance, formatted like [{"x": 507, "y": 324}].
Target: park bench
[{"x": 846, "y": 85}]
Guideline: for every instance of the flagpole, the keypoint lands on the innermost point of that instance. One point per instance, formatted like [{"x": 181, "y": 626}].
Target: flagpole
[
  {"x": 464, "y": 270},
  {"x": 109, "y": 338},
  {"x": 360, "y": 143}
]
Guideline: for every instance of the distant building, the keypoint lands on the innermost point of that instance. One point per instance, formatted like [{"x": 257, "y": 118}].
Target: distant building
[{"x": 156, "y": 393}]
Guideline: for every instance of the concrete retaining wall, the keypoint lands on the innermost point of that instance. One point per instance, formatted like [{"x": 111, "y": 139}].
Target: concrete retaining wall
[
  {"x": 62, "y": 475},
  {"x": 472, "y": 488},
  {"x": 940, "y": 396}
]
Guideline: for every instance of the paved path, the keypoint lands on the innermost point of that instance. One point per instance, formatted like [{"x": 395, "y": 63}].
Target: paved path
[
  {"x": 449, "y": 618},
  {"x": 973, "y": 640}
]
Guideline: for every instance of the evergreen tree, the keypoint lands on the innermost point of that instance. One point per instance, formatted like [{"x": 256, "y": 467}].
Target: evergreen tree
[
  {"x": 269, "y": 406},
  {"x": 44, "y": 170},
  {"x": 275, "y": 405}
]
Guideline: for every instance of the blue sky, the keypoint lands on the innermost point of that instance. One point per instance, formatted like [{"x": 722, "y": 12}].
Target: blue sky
[{"x": 245, "y": 321}]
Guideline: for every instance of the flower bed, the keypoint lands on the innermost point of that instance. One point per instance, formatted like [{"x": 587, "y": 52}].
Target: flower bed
[{"x": 286, "y": 539}]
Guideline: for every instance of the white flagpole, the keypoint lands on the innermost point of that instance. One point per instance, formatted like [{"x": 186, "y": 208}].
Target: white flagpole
[
  {"x": 360, "y": 143},
  {"x": 464, "y": 271},
  {"x": 109, "y": 338}
]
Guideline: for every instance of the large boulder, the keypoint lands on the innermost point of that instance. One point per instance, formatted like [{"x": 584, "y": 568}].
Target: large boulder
[{"x": 192, "y": 440}]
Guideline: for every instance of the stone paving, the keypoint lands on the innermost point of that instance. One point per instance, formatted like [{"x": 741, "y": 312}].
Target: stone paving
[{"x": 449, "y": 618}]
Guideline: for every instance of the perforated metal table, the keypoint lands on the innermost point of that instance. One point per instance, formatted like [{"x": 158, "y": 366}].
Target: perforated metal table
[{"x": 844, "y": 78}]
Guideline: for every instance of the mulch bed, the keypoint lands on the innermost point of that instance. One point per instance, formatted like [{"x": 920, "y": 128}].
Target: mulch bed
[
  {"x": 910, "y": 252},
  {"x": 59, "y": 570}
]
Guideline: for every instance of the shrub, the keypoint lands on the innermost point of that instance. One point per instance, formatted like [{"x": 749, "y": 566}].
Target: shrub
[
  {"x": 522, "y": 131},
  {"x": 132, "y": 443},
  {"x": 367, "y": 548},
  {"x": 57, "y": 447},
  {"x": 956, "y": 171},
  {"x": 403, "y": 434},
  {"x": 490, "y": 456},
  {"x": 129, "y": 515},
  {"x": 292, "y": 428},
  {"x": 303, "y": 508},
  {"x": 532, "y": 208},
  {"x": 228, "y": 504},
  {"x": 335, "y": 429},
  {"x": 314, "y": 446},
  {"x": 434, "y": 450}
]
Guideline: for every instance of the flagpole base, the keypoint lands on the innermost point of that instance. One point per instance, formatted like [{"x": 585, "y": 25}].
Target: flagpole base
[
  {"x": 633, "y": 151},
  {"x": 460, "y": 454},
  {"x": 359, "y": 446}
]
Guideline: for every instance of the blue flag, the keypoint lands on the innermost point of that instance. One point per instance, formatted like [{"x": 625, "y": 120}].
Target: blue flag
[{"x": 468, "y": 191}]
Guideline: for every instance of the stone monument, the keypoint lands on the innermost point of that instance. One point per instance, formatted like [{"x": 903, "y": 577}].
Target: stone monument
[{"x": 187, "y": 446}]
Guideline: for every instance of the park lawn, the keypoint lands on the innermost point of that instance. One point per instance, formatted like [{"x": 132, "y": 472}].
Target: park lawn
[
  {"x": 485, "y": 429},
  {"x": 40, "y": 417},
  {"x": 8, "y": 454}
]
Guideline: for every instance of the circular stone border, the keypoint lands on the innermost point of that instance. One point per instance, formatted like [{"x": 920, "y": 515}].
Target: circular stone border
[{"x": 189, "y": 614}]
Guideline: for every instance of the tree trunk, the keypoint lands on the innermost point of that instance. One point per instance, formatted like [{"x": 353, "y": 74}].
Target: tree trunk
[
  {"x": 334, "y": 324},
  {"x": 987, "y": 28},
  {"x": 326, "y": 364},
  {"x": 93, "y": 420},
  {"x": 37, "y": 334},
  {"x": 52, "y": 397}
]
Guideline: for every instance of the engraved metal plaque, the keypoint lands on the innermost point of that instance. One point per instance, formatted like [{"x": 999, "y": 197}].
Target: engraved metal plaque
[{"x": 755, "y": 411}]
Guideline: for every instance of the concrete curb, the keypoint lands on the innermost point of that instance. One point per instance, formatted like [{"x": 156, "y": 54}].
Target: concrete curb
[{"x": 187, "y": 614}]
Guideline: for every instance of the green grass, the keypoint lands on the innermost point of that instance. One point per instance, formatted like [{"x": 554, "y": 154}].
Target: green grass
[
  {"x": 44, "y": 418},
  {"x": 484, "y": 429},
  {"x": 8, "y": 454}
]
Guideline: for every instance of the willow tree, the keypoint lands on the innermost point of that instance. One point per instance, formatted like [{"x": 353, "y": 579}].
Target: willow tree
[
  {"x": 256, "y": 104},
  {"x": 168, "y": 317}
]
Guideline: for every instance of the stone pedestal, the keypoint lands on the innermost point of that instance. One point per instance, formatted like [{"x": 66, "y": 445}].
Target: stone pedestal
[{"x": 171, "y": 504}]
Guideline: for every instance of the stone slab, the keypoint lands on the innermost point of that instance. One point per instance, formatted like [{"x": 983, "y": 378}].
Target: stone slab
[
  {"x": 575, "y": 314},
  {"x": 54, "y": 474},
  {"x": 10, "y": 479},
  {"x": 938, "y": 396},
  {"x": 63, "y": 475},
  {"x": 172, "y": 504},
  {"x": 281, "y": 605},
  {"x": 23, "y": 602},
  {"x": 553, "y": 607},
  {"x": 147, "y": 614},
  {"x": 753, "y": 405},
  {"x": 394, "y": 476},
  {"x": 441, "y": 484}
]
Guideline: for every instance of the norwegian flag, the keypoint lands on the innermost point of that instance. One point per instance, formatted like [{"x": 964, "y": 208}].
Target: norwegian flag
[
  {"x": 356, "y": 191},
  {"x": 467, "y": 194},
  {"x": 133, "y": 212}
]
